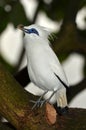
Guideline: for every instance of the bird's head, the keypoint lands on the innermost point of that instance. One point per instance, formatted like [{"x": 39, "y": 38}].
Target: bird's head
[{"x": 35, "y": 31}]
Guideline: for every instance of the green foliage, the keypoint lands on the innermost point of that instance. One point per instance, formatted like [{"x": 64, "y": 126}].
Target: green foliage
[
  {"x": 3, "y": 19},
  {"x": 63, "y": 57},
  {"x": 7, "y": 65},
  {"x": 85, "y": 67},
  {"x": 56, "y": 9},
  {"x": 17, "y": 14},
  {"x": 82, "y": 3},
  {"x": 11, "y": 11}
]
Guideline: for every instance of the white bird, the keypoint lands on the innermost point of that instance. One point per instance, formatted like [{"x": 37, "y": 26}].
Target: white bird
[{"x": 44, "y": 68}]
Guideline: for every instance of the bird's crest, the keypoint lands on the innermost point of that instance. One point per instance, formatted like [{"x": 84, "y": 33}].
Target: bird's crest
[{"x": 51, "y": 36}]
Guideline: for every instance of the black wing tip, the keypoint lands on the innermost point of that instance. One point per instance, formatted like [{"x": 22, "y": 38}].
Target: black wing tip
[{"x": 62, "y": 82}]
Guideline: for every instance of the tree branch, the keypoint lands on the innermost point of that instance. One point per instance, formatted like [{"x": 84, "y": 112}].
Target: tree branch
[
  {"x": 4, "y": 126},
  {"x": 16, "y": 108}
]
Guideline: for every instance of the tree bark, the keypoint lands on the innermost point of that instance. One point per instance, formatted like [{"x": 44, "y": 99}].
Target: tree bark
[
  {"x": 16, "y": 108},
  {"x": 6, "y": 126}
]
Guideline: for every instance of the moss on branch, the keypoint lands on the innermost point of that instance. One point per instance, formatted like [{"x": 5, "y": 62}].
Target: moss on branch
[{"x": 15, "y": 107}]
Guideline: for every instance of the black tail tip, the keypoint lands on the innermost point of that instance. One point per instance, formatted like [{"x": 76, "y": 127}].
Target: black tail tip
[{"x": 62, "y": 111}]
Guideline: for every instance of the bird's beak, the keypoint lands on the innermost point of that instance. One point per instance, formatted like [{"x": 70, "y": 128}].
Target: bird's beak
[{"x": 21, "y": 27}]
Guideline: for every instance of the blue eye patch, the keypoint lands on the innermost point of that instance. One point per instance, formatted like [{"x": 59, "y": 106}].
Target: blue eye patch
[{"x": 32, "y": 30}]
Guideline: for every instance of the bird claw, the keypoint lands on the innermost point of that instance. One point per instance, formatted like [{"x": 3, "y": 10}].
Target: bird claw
[
  {"x": 62, "y": 111},
  {"x": 38, "y": 103}
]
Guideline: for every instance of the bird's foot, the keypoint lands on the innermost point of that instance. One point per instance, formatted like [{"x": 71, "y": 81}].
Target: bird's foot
[
  {"x": 38, "y": 103},
  {"x": 62, "y": 111}
]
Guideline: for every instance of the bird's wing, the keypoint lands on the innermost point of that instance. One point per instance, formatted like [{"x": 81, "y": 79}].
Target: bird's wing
[
  {"x": 56, "y": 67},
  {"x": 59, "y": 73}
]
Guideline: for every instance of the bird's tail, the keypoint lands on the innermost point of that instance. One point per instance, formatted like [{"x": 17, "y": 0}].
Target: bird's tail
[
  {"x": 61, "y": 101},
  {"x": 61, "y": 97}
]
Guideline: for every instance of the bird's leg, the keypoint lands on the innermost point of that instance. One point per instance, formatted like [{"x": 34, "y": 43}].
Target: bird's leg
[
  {"x": 39, "y": 102},
  {"x": 43, "y": 101},
  {"x": 51, "y": 96}
]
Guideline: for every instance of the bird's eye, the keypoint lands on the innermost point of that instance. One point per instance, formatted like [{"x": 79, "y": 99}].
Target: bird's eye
[{"x": 33, "y": 30}]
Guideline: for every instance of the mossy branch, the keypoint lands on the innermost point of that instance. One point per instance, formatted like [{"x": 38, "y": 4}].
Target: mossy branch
[{"x": 15, "y": 107}]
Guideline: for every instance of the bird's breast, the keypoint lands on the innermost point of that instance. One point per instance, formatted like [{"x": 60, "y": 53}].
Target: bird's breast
[
  {"x": 41, "y": 74},
  {"x": 39, "y": 59}
]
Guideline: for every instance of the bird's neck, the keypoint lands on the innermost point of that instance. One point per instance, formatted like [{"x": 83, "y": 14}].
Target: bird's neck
[{"x": 34, "y": 48}]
